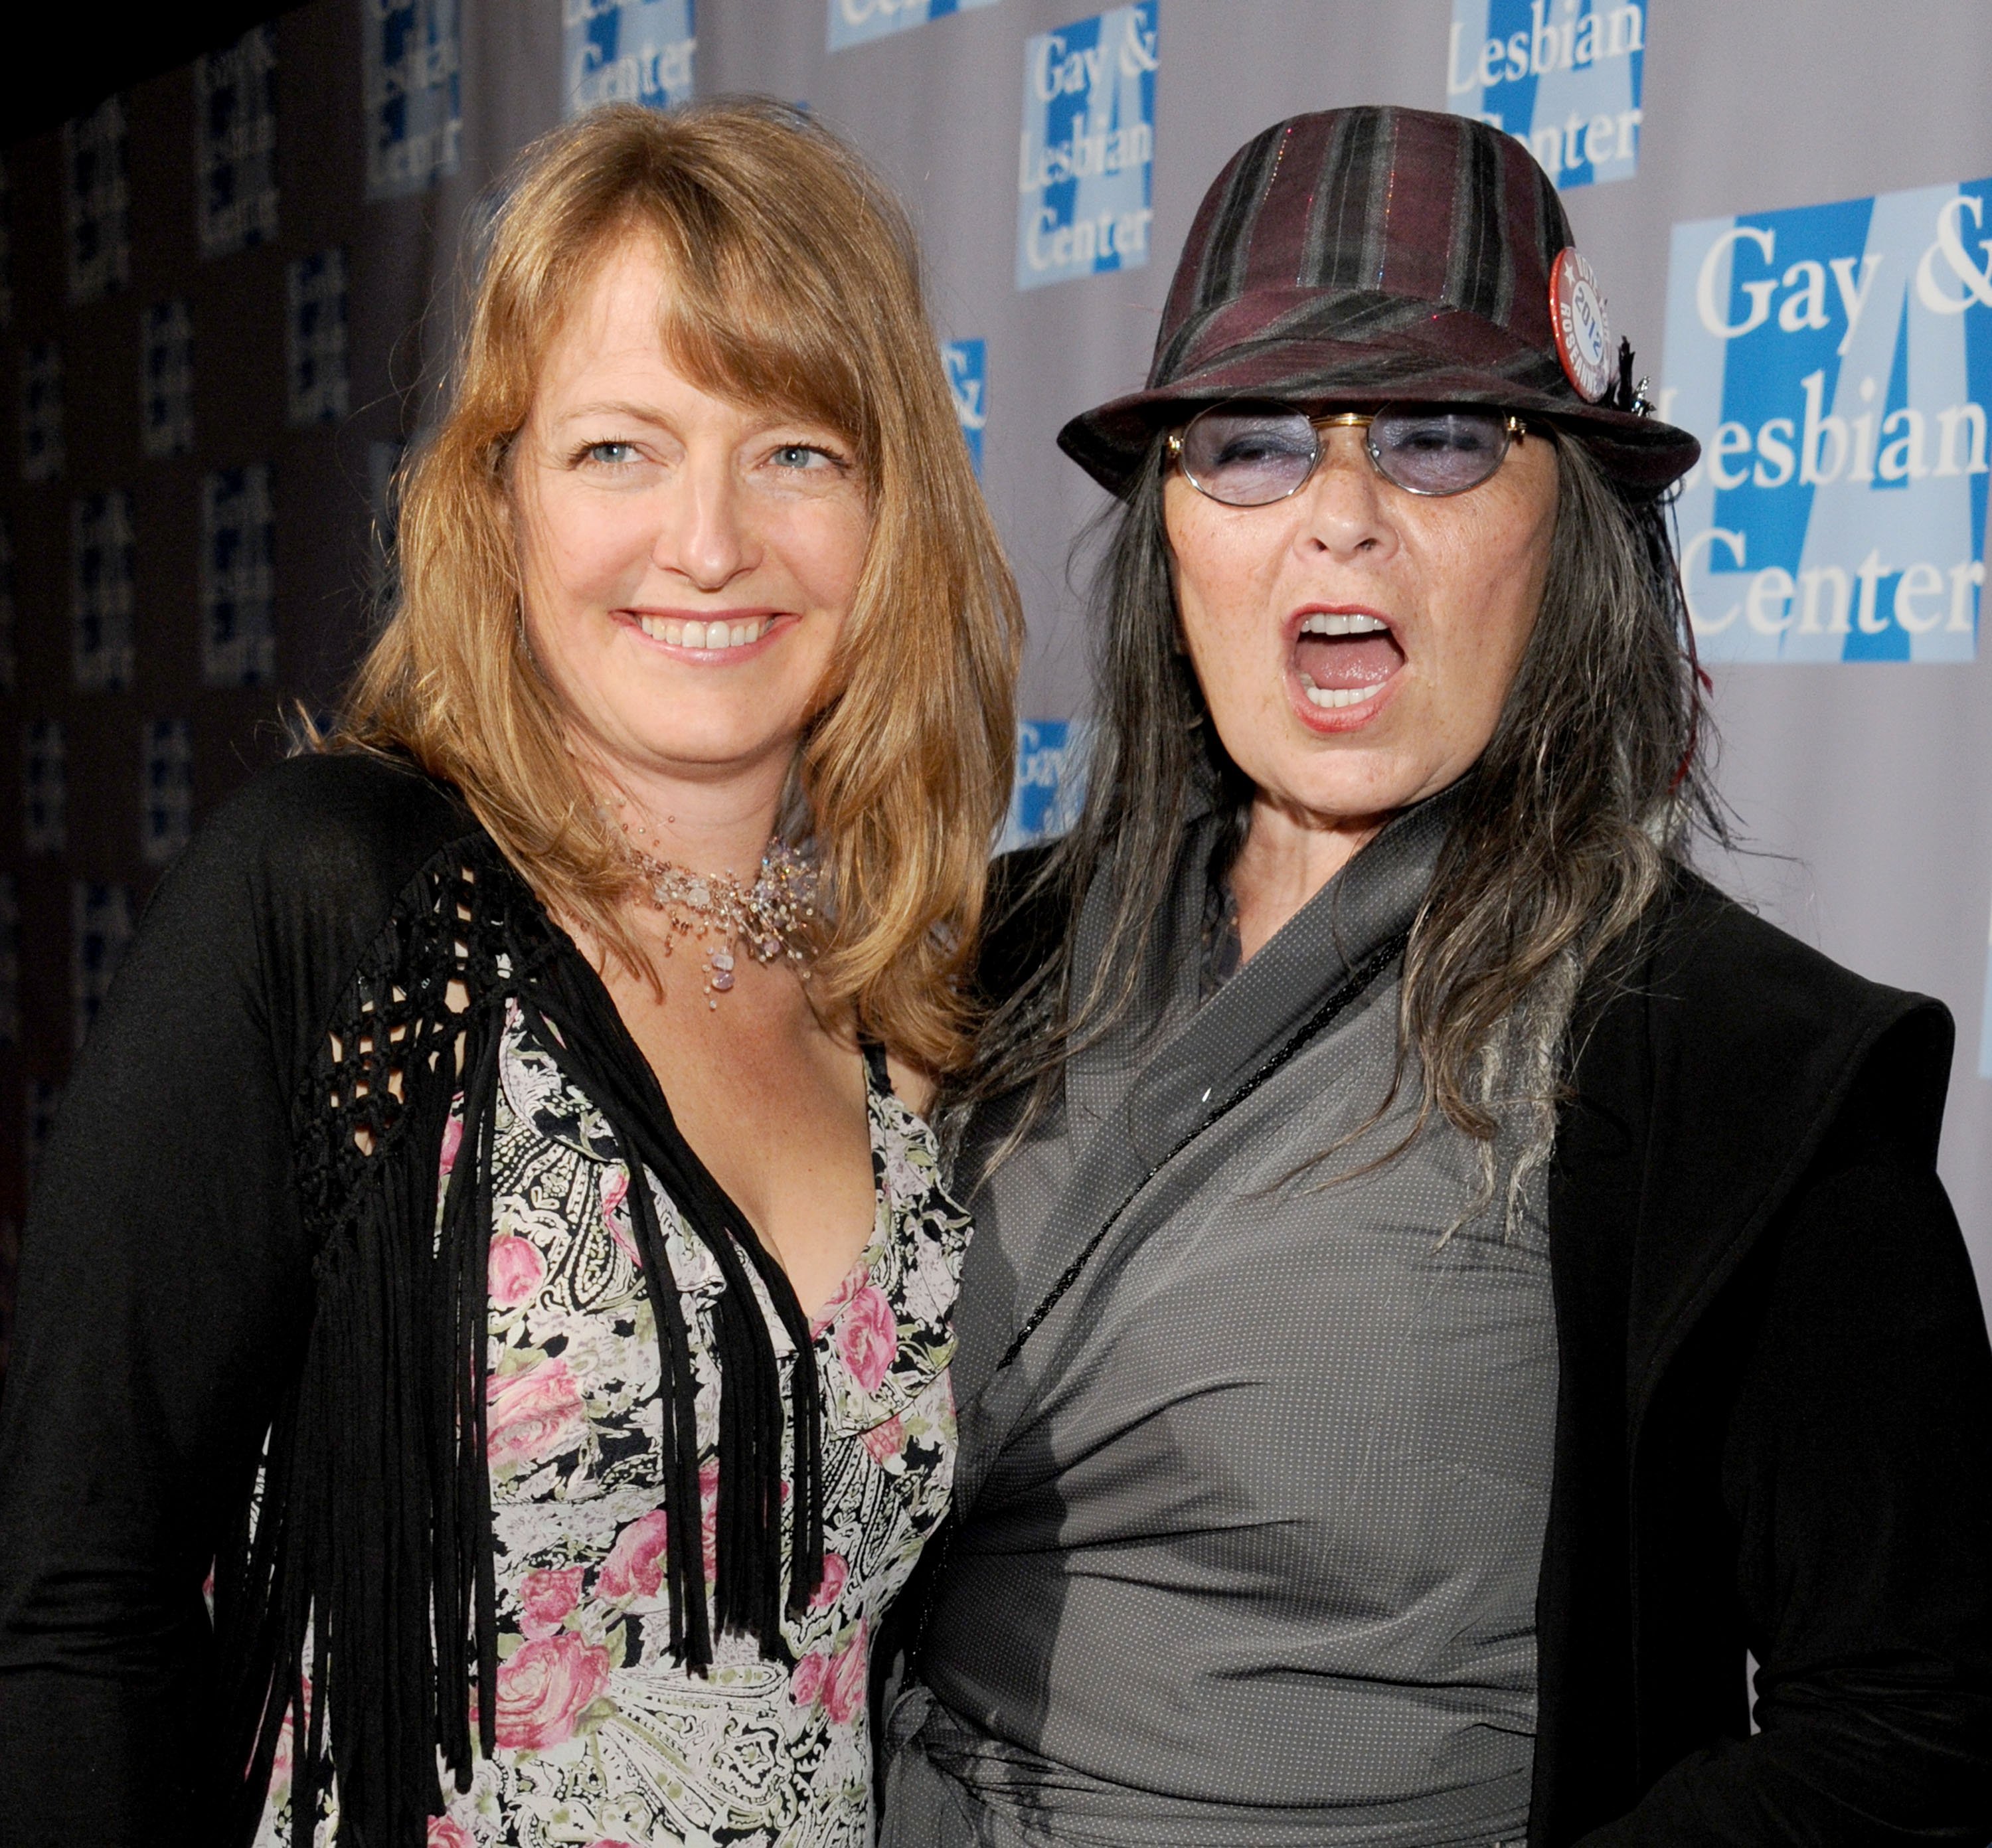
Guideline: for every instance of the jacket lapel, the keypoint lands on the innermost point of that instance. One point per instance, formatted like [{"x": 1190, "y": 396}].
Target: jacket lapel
[{"x": 1745, "y": 1023}]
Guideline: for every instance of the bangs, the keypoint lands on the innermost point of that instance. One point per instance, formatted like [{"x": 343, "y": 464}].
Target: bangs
[
  {"x": 791, "y": 285},
  {"x": 739, "y": 326},
  {"x": 772, "y": 297}
]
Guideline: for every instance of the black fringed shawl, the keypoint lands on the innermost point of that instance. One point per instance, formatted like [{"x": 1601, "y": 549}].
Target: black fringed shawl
[
  {"x": 374, "y": 1532},
  {"x": 371, "y": 1536}
]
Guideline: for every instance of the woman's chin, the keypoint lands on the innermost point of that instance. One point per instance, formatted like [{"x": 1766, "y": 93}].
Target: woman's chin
[
  {"x": 703, "y": 746},
  {"x": 1360, "y": 772}
]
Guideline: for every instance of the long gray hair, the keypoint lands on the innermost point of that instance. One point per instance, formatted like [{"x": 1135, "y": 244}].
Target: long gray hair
[{"x": 1590, "y": 789}]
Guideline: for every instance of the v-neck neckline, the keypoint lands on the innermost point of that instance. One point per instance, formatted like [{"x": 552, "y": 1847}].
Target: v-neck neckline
[
  {"x": 877, "y": 1078},
  {"x": 884, "y": 1208}
]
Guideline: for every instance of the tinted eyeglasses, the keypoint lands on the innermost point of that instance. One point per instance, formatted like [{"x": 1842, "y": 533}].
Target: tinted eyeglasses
[{"x": 1249, "y": 455}]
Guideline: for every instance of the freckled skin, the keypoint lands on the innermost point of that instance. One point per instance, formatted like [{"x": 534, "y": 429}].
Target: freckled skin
[{"x": 1458, "y": 577}]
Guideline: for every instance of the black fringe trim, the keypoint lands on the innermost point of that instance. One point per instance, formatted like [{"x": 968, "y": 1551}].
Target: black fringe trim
[{"x": 371, "y": 1549}]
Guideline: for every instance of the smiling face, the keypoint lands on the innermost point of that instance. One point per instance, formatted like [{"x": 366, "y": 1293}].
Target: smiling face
[
  {"x": 1355, "y": 642},
  {"x": 688, "y": 562}
]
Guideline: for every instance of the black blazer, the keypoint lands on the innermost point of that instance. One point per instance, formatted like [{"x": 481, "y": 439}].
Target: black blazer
[{"x": 1775, "y": 1423}]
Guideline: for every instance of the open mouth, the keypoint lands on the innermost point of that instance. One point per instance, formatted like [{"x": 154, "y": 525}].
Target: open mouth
[
  {"x": 1344, "y": 660},
  {"x": 719, "y": 633}
]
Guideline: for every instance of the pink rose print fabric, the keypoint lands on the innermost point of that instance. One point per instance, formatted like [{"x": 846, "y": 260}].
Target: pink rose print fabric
[
  {"x": 452, "y": 1140},
  {"x": 546, "y": 1597},
  {"x": 836, "y": 1575},
  {"x": 843, "y": 1683},
  {"x": 635, "y": 1565},
  {"x": 886, "y": 1441},
  {"x": 543, "y": 1688},
  {"x": 603, "y": 1741},
  {"x": 868, "y": 1338},
  {"x": 517, "y": 1271},
  {"x": 834, "y": 1681},
  {"x": 534, "y": 1413}
]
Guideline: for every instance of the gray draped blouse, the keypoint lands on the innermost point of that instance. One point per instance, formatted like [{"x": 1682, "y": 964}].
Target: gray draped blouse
[{"x": 1251, "y": 1518}]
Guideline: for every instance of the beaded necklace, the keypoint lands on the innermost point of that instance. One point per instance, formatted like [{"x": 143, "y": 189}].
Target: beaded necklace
[{"x": 773, "y": 917}]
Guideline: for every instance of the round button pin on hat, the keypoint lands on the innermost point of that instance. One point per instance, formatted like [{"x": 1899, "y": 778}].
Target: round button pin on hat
[{"x": 1582, "y": 326}]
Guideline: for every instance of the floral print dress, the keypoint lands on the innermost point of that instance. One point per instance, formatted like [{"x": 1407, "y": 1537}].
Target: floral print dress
[{"x": 604, "y": 1741}]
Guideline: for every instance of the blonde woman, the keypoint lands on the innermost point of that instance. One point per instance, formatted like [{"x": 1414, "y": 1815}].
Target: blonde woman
[{"x": 489, "y": 1229}]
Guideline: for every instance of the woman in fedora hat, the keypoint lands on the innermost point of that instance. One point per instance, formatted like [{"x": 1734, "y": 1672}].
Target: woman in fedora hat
[{"x": 1451, "y": 1286}]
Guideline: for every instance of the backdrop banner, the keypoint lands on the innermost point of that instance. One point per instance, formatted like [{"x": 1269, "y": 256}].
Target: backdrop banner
[
  {"x": 1562, "y": 75},
  {"x": 1836, "y": 361},
  {"x": 225, "y": 296}
]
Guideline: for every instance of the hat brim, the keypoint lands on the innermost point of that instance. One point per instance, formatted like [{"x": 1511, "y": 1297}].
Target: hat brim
[{"x": 1110, "y": 440}]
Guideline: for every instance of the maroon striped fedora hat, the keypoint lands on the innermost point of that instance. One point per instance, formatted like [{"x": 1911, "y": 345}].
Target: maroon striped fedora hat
[{"x": 1359, "y": 255}]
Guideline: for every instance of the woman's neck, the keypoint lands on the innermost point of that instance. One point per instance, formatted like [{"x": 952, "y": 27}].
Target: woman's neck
[
  {"x": 1288, "y": 855},
  {"x": 707, "y": 826},
  {"x": 715, "y": 826}
]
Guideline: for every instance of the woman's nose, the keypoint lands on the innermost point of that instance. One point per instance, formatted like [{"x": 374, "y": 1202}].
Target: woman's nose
[
  {"x": 1346, "y": 505},
  {"x": 704, "y": 535}
]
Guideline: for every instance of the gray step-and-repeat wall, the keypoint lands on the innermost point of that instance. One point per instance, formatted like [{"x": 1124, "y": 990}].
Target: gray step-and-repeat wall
[{"x": 1787, "y": 203}]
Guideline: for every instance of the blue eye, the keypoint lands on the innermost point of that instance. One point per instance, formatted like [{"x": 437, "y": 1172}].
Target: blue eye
[
  {"x": 613, "y": 454},
  {"x": 799, "y": 455}
]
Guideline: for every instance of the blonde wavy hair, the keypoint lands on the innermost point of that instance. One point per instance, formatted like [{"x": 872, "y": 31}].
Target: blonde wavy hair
[{"x": 795, "y": 286}]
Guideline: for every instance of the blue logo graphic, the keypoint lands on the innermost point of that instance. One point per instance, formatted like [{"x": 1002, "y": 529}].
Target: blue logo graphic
[
  {"x": 102, "y": 596},
  {"x": 412, "y": 81},
  {"x": 853, "y": 22},
  {"x": 1050, "y": 787},
  {"x": 165, "y": 789},
  {"x": 165, "y": 379},
  {"x": 98, "y": 201},
  {"x": 1836, "y": 362},
  {"x": 237, "y": 581},
  {"x": 235, "y": 117},
  {"x": 628, "y": 51},
  {"x": 1564, "y": 76},
  {"x": 1087, "y": 157},
  {"x": 315, "y": 338},
  {"x": 967, "y": 367},
  {"x": 100, "y": 931}
]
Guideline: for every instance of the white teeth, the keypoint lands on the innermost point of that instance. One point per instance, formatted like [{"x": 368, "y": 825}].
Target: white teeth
[
  {"x": 704, "y": 634},
  {"x": 1335, "y": 697},
  {"x": 1321, "y": 623}
]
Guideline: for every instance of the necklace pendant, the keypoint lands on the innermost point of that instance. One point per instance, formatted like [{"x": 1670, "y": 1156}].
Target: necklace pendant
[{"x": 768, "y": 920}]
